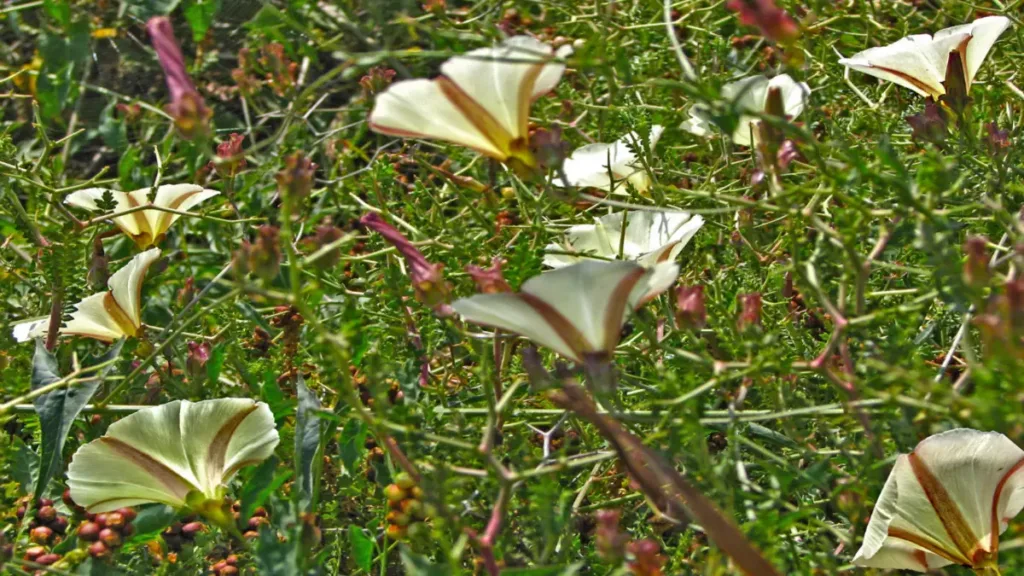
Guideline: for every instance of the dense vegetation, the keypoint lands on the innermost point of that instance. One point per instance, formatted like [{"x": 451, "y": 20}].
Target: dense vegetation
[{"x": 855, "y": 286}]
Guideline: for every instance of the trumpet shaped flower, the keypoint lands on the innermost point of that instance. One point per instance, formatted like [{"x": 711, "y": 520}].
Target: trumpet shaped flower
[
  {"x": 751, "y": 95},
  {"x": 649, "y": 238},
  {"x": 481, "y": 100},
  {"x": 146, "y": 226},
  {"x": 608, "y": 167},
  {"x": 577, "y": 311},
  {"x": 169, "y": 452},
  {"x": 106, "y": 316},
  {"x": 919, "y": 62},
  {"x": 945, "y": 503}
]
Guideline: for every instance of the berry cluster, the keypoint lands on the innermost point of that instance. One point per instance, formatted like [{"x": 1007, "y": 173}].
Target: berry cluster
[
  {"x": 47, "y": 527},
  {"x": 405, "y": 503},
  {"x": 105, "y": 532},
  {"x": 251, "y": 529},
  {"x": 226, "y": 567},
  {"x": 183, "y": 532}
]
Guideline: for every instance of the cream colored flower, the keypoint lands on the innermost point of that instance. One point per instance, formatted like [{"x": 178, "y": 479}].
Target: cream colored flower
[
  {"x": 919, "y": 62},
  {"x": 750, "y": 94},
  {"x": 650, "y": 238},
  {"x": 145, "y": 227},
  {"x": 577, "y": 311},
  {"x": 481, "y": 100},
  {"x": 107, "y": 316},
  {"x": 165, "y": 453},
  {"x": 945, "y": 503},
  {"x": 611, "y": 167}
]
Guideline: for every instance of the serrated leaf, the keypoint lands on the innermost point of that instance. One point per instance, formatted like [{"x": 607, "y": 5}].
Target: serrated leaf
[
  {"x": 58, "y": 409},
  {"x": 308, "y": 427},
  {"x": 362, "y": 547}
]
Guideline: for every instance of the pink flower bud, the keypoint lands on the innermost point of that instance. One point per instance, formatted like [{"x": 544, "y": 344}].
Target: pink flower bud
[
  {"x": 976, "y": 272},
  {"x": 611, "y": 541},
  {"x": 690, "y": 311},
  {"x": 773, "y": 22},
  {"x": 265, "y": 253},
  {"x": 427, "y": 279},
  {"x": 295, "y": 181},
  {"x": 196, "y": 359},
  {"x": 230, "y": 156},
  {"x": 489, "y": 280},
  {"x": 646, "y": 559},
  {"x": 750, "y": 311},
  {"x": 191, "y": 116}
]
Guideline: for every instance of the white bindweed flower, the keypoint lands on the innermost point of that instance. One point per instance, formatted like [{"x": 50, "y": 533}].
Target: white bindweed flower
[
  {"x": 577, "y": 311},
  {"x": 611, "y": 167},
  {"x": 145, "y": 227},
  {"x": 945, "y": 503},
  {"x": 750, "y": 94},
  {"x": 165, "y": 453},
  {"x": 650, "y": 238},
  {"x": 919, "y": 62},
  {"x": 105, "y": 316},
  {"x": 481, "y": 99}
]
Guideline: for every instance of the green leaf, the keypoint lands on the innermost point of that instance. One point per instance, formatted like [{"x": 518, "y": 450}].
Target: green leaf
[
  {"x": 200, "y": 15},
  {"x": 271, "y": 393},
  {"x": 352, "y": 443},
  {"x": 25, "y": 465},
  {"x": 58, "y": 409},
  {"x": 59, "y": 11},
  {"x": 307, "y": 442},
  {"x": 262, "y": 483},
  {"x": 150, "y": 522},
  {"x": 569, "y": 570},
  {"x": 363, "y": 547},
  {"x": 277, "y": 558},
  {"x": 416, "y": 565},
  {"x": 216, "y": 363}
]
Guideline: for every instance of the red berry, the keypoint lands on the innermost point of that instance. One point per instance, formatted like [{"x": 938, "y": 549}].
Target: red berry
[
  {"x": 89, "y": 532},
  {"x": 114, "y": 520},
  {"x": 260, "y": 512},
  {"x": 44, "y": 502},
  {"x": 98, "y": 550},
  {"x": 59, "y": 524},
  {"x": 66, "y": 497},
  {"x": 34, "y": 552},
  {"x": 231, "y": 560},
  {"x": 21, "y": 512},
  {"x": 256, "y": 521},
  {"x": 191, "y": 529},
  {"x": 110, "y": 537},
  {"x": 219, "y": 566},
  {"x": 127, "y": 530},
  {"x": 47, "y": 559},
  {"x": 46, "y": 514},
  {"x": 228, "y": 571},
  {"x": 41, "y": 535},
  {"x": 129, "y": 514},
  {"x": 250, "y": 535},
  {"x": 101, "y": 518}
]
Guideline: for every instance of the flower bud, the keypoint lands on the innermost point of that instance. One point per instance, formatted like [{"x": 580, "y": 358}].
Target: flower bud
[
  {"x": 997, "y": 141},
  {"x": 611, "y": 541},
  {"x": 195, "y": 364},
  {"x": 930, "y": 125},
  {"x": 427, "y": 279},
  {"x": 646, "y": 559},
  {"x": 690, "y": 311},
  {"x": 230, "y": 158},
  {"x": 376, "y": 80},
  {"x": 489, "y": 280},
  {"x": 326, "y": 234},
  {"x": 98, "y": 273},
  {"x": 773, "y": 22},
  {"x": 295, "y": 180},
  {"x": 265, "y": 253},
  {"x": 976, "y": 273},
  {"x": 750, "y": 311},
  {"x": 191, "y": 116},
  {"x": 956, "y": 83},
  {"x": 187, "y": 292}
]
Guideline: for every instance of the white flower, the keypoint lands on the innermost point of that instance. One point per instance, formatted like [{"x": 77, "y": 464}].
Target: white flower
[
  {"x": 106, "y": 316},
  {"x": 145, "y": 227},
  {"x": 919, "y": 62},
  {"x": 481, "y": 99},
  {"x": 577, "y": 311},
  {"x": 608, "y": 166},
  {"x": 945, "y": 503},
  {"x": 750, "y": 94},
  {"x": 163, "y": 453},
  {"x": 650, "y": 238}
]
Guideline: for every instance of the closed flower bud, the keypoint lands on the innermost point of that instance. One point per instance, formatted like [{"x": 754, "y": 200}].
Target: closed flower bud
[
  {"x": 690, "y": 311},
  {"x": 195, "y": 363},
  {"x": 265, "y": 253},
  {"x": 750, "y": 311},
  {"x": 326, "y": 235},
  {"x": 295, "y": 180},
  {"x": 489, "y": 280},
  {"x": 773, "y": 22},
  {"x": 230, "y": 158},
  {"x": 98, "y": 273},
  {"x": 376, "y": 80},
  {"x": 611, "y": 541},
  {"x": 191, "y": 116},
  {"x": 976, "y": 273}
]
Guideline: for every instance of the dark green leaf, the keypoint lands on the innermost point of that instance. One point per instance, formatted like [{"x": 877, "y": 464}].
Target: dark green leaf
[
  {"x": 25, "y": 465},
  {"x": 150, "y": 522},
  {"x": 59, "y": 408},
  {"x": 352, "y": 443},
  {"x": 416, "y": 565},
  {"x": 261, "y": 485}
]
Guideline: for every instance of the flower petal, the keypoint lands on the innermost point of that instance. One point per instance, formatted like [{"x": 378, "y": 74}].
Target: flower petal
[
  {"x": 182, "y": 197},
  {"x": 983, "y": 34},
  {"x": 31, "y": 329},
  {"x": 512, "y": 313},
  {"x": 666, "y": 235},
  {"x": 914, "y": 62},
  {"x": 126, "y": 284},
  {"x": 160, "y": 454},
  {"x": 502, "y": 79},
  {"x": 420, "y": 109},
  {"x": 604, "y": 166},
  {"x": 99, "y": 317},
  {"x": 131, "y": 224},
  {"x": 794, "y": 94}
]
